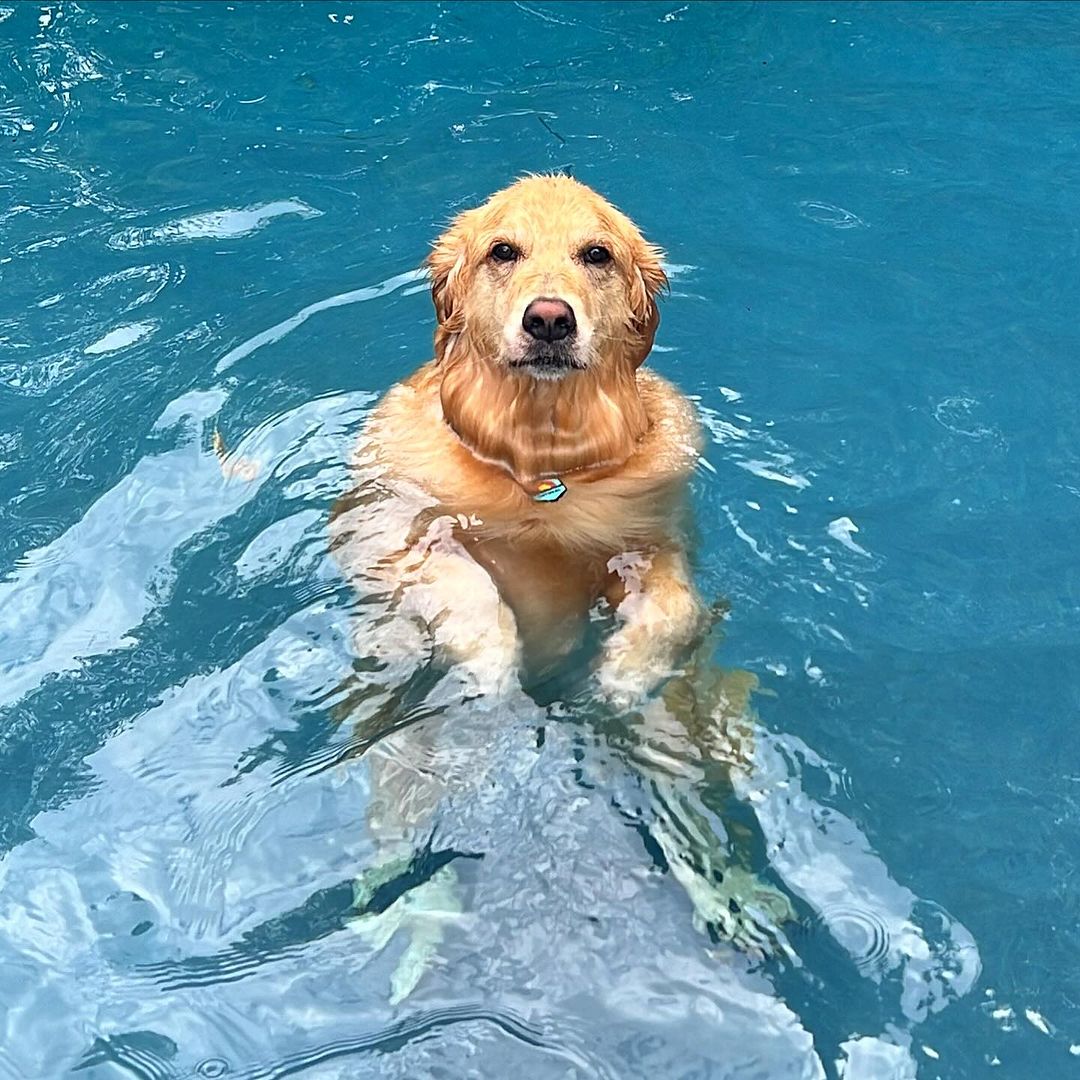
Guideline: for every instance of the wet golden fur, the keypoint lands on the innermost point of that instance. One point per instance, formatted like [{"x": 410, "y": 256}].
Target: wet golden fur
[{"x": 452, "y": 455}]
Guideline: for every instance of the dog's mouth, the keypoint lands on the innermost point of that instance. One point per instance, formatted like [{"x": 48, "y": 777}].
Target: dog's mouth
[{"x": 551, "y": 359}]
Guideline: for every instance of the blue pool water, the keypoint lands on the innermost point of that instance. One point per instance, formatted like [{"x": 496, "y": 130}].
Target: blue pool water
[{"x": 210, "y": 221}]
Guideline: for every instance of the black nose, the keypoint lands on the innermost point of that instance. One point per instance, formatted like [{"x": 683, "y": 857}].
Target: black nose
[{"x": 549, "y": 320}]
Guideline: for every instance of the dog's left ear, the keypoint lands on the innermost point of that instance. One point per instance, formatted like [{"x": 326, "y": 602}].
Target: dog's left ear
[{"x": 647, "y": 281}]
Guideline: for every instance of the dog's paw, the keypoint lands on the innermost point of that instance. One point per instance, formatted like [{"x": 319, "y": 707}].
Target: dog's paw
[
  {"x": 739, "y": 908},
  {"x": 421, "y": 913},
  {"x": 233, "y": 466},
  {"x": 732, "y": 902},
  {"x": 631, "y": 669}
]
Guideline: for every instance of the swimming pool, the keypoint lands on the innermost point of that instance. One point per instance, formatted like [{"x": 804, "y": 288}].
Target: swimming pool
[{"x": 211, "y": 220}]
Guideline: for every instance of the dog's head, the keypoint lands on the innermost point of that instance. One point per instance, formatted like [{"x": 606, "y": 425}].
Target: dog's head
[{"x": 546, "y": 278}]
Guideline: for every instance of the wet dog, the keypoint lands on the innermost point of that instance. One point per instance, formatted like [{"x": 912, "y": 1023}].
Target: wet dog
[
  {"x": 533, "y": 474},
  {"x": 533, "y": 467}
]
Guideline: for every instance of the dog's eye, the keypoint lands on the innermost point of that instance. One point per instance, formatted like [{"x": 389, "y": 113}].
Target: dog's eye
[
  {"x": 504, "y": 253},
  {"x": 596, "y": 255}
]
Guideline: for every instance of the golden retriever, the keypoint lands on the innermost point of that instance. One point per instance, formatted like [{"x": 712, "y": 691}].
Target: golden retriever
[
  {"x": 530, "y": 475},
  {"x": 533, "y": 467},
  {"x": 530, "y": 471}
]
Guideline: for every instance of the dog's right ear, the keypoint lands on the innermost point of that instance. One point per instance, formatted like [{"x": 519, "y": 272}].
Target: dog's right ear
[{"x": 445, "y": 265}]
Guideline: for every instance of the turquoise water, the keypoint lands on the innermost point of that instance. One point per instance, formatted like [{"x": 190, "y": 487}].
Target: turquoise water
[{"x": 211, "y": 218}]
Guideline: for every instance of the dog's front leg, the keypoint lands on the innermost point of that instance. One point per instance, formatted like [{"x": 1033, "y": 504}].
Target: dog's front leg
[
  {"x": 423, "y": 598},
  {"x": 431, "y": 610},
  {"x": 473, "y": 632},
  {"x": 659, "y": 615}
]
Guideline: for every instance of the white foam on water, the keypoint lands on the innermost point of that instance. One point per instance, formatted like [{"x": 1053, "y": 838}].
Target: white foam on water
[
  {"x": 767, "y": 472},
  {"x": 120, "y": 338},
  {"x": 213, "y": 225},
  {"x": 841, "y": 529}
]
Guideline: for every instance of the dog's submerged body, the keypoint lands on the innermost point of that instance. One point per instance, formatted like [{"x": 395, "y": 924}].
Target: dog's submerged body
[{"x": 546, "y": 301}]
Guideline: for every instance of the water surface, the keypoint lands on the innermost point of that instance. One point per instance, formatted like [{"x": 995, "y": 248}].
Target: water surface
[{"x": 210, "y": 222}]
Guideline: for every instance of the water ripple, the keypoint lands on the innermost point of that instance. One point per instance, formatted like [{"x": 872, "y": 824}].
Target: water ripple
[
  {"x": 354, "y": 296},
  {"x": 424, "y": 1025},
  {"x": 826, "y": 214},
  {"x": 200, "y": 755},
  {"x": 863, "y": 933},
  {"x": 149, "y": 1056}
]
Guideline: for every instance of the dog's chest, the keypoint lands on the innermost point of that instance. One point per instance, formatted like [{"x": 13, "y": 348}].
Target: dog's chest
[{"x": 593, "y": 512}]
